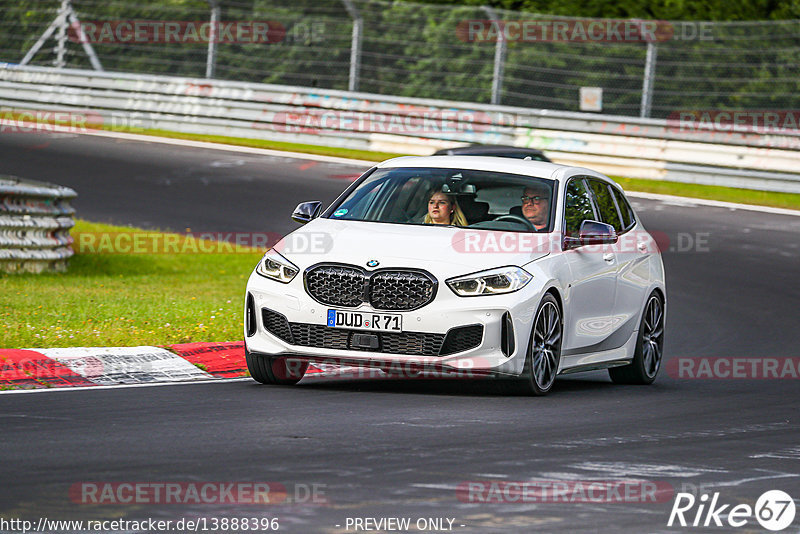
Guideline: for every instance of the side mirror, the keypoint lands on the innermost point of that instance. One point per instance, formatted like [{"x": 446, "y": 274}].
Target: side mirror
[
  {"x": 597, "y": 233},
  {"x": 591, "y": 233},
  {"x": 305, "y": 211}
]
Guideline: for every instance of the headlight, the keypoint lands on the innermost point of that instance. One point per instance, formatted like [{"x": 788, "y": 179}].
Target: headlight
[
  {"x": 276, "y": 267},
  {"x": 492, "y": 282}
]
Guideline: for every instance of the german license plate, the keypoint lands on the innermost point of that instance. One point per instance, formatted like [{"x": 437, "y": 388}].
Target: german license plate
[{"x": 383, "y": 322}]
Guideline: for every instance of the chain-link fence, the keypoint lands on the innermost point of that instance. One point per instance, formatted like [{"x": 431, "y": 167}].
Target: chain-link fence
[{"x": 474, "y": 54}]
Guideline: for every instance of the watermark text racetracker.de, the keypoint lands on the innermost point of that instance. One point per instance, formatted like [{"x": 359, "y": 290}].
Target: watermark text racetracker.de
[
  {"x": 758, "y": 121},
  {"x": 565, "y": 491},
  {"x": 734, "y": 368},
  {"x": 184, "y": 524},
  {"x": 635, "y": 242},
  {"x": 176, "y": 32},
  {"x": 581, "y": 31},
  {"x": 408, "y": 121},
  {"x": 137, "y": 32},
  {"x": 13, "y": 121},
  {"x": 771, "y": 128},
  {"x": 146, "y": 242},
  {"x": 209, "y": 493},
  {"x": 75, "y": 121},
  {"x": 418, "y": 368}
]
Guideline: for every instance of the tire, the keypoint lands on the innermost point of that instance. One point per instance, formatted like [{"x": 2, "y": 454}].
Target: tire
[
  {"x": 544, "y": 351},
  {"x": 649, "y": 346},
  {"x": 275, "y": 370}
]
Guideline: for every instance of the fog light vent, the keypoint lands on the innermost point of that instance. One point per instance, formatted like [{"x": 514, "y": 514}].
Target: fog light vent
[
  {"x": 250, "y": 316},
  {"x": 507, "y": 335},
  {"x": 462, "y": 338}
]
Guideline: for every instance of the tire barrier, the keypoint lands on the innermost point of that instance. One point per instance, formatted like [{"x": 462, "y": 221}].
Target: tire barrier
[{"x": 35, "y": 219}]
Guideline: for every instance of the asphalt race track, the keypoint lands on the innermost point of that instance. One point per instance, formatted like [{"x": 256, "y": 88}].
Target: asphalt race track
[{"x": 378, "y": 449}]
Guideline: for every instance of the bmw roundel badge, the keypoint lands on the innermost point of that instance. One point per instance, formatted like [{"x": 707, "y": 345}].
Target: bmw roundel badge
[{"x": 373, "y": 263}]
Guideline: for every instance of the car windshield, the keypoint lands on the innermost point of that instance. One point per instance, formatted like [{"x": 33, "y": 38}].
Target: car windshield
[{"x": 451, "y": 197}]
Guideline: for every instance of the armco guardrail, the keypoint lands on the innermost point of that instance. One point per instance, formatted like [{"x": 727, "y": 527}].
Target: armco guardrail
[
  {"x": 35, "y": 218},
  {"x": 625, "y": 146}
]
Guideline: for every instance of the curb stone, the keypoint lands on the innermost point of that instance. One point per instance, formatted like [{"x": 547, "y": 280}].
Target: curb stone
[{"x": 108, "y": 366}]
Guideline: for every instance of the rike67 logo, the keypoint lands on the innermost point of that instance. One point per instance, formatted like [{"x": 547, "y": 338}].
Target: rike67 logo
[{"x": 774, "y": 510}]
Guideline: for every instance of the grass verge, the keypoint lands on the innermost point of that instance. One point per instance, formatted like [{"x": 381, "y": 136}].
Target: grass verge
[
  {"x": 125, "y": 299},
  {"x": 712, "y": 192}
]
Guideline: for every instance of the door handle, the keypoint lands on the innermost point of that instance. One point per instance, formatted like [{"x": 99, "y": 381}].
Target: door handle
[
  {"x": 642, "y": 247},
  {"x": 608, "y": 257}
]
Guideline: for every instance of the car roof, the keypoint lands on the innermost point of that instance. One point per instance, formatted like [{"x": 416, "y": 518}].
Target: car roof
[
  {"x": 540, "y": 169},
  {"x": 482, "y": 149}
]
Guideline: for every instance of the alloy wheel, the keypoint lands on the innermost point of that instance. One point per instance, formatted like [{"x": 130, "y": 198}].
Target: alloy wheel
[
  {"x": 653, "y": 336},
  {"x": 546, "y": 346}
]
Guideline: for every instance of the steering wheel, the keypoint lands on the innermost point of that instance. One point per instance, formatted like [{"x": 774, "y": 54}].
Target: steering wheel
[{"x": 517, "y": 219}]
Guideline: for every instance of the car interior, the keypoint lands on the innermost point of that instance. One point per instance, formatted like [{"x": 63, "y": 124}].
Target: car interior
[{"x": 489, "y": 200}]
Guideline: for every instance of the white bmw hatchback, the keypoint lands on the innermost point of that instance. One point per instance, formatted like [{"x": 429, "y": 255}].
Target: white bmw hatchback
[{"x": 463, "y": 266}]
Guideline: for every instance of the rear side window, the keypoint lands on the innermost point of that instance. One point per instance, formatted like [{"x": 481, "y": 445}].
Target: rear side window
[
  {"x": 577, "y": 207},
  {"x": 625, "y": 209},
  {"x": 606, "y": 205}
]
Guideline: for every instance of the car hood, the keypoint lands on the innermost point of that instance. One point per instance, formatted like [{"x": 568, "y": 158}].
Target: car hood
[{"x": 443, "y": 251}]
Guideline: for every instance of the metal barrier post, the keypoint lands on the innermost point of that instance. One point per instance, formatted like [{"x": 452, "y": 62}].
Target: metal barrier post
[
  {"x": 61, "y": 36},
  {"x": 355, "y": 44},
  {"x": 65, "y": 13},
  {"x": 58, "y": 22},
  {"x": 211, "y": 58},
  {"x": 649, "y": 79},
  {"x": 499, "y": 56}
]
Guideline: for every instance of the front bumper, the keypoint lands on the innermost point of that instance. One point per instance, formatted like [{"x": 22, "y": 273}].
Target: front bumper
[{"x": 500, "y": 349}]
